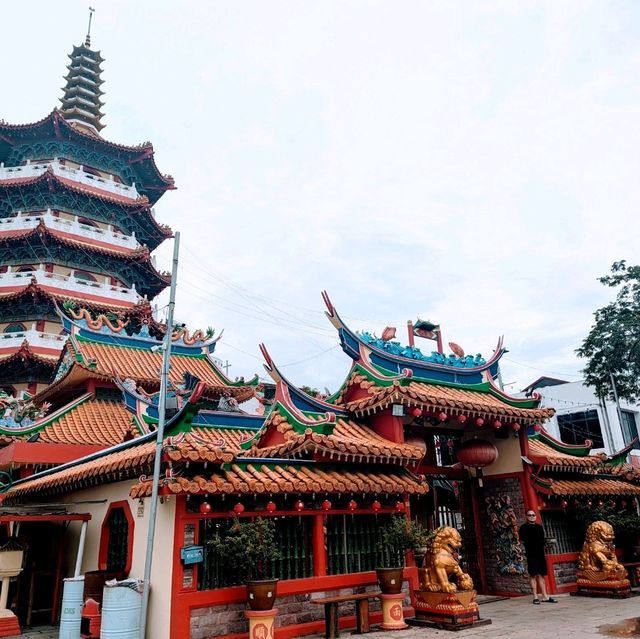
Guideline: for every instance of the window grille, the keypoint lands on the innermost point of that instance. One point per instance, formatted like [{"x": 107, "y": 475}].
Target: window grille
[
  {"x": 629, "y": 427},
  {"x": 353, "y": 544},
  {"x": 117, "y": 546},
  {"x": 293, "y": 538},
  {"x": 564, "y": 530},
  {"x": 575, "y": 428}
]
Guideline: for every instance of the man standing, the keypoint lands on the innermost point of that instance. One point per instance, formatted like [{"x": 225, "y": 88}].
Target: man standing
[{"x": 532, "y": 536}]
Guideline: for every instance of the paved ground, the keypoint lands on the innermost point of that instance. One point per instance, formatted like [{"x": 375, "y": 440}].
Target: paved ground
[{"x": 570, "y": 618}]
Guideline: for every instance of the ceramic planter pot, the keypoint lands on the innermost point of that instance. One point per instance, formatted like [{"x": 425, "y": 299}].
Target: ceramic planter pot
[
  {"x": 261, "y": 594},
  {"x": 389, "y": 580}
]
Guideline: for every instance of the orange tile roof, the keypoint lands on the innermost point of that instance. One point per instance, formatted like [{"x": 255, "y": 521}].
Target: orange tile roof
[
  {"x": 302, "y": 479},
  {"x": 348, "y": 440},
  {"x": 443, "y": 398},
  {"x": 595, "y": 486},
  {"x": 107, "y": 361},
  {"x": 96, "y": 421},
  {"x": 542, "y": 454},
  {"x": 124, "y": 464}
]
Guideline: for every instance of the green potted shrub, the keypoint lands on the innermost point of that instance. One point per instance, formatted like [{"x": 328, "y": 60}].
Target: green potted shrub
[
  {"x": 396, "y": 537},
  {"x": 248, "y": 550}
]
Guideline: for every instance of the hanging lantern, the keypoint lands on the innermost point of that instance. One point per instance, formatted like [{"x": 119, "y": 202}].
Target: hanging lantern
[
  {"x": 442, "y": 417},
  {"x": 205, "y": 508},
  {"x": 634, "y": 503},
  {"x": 326, "y": 505},
  {"x": 516, "y": 427},
  {"x": 376, "y": 505},
  {"x": 462, "y": 418},
  {"x": 271, "y": 506},
  {"x": 564, "y": 503},
  {"x": 497, "y": 424},
  {"x": 479, "y": 422},
  {"x": 477, "y": 453},
  {"x": 238, "y": 509},
  {"x": 299, "y": 505},
  {"x": 352, "y": 505},
  {"x": 589, "y": 504},
  {"x": 623, "y": 503},
  {"x": 400, "y": 507},
  {"x": 417, "y": 412},
  {"x": 537, "y": 427}
]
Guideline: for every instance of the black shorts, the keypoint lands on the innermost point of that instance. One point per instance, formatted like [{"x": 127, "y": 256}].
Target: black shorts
[{"x": 536, "y": 566}]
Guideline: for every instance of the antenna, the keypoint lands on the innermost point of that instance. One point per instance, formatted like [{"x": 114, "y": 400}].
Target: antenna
[{"x": 87, "y": 41}]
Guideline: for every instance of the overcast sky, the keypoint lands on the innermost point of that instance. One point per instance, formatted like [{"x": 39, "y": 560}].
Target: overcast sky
[{"x": 473, "y": 163}]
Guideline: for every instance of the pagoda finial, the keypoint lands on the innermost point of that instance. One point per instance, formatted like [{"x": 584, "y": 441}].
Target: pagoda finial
[{"x": 87, "y": 41}]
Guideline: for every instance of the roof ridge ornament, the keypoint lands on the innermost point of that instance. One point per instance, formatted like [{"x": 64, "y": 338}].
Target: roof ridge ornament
[{"x": 87, "y": 41}]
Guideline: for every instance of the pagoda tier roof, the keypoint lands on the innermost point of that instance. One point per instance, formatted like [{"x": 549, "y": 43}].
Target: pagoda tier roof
[
  {"x": 133, "y": 215},
  {"x": 594, "y": 486},
  {"x": 38, "y": 242},
  {"x": 300, "y": 425},
  {"x": 32, "y": 289},
  {"x": 23, "y": 364},
  {"x": 544, "y": 455},
  {"x": 84, "y": 421},
  {"x": 31, "y": 352},
  {"x": 368, "y": 391},
  {"x": 54, "y": 126},
  {"x": 392, "y": 359}
]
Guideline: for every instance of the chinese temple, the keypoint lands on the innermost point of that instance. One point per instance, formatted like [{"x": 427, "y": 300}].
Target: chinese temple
[
  {"x": 76, "y": 226},
  {"x": 429, "y": 437}
]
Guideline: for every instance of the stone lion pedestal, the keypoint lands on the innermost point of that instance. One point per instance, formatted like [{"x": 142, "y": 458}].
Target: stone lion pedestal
[
  {"x": 441, "y": 602},
  {"x": 600, "y": 574}
]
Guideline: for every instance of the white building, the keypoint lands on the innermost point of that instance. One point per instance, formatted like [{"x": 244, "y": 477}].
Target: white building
[{"x": 580, "y": 415}]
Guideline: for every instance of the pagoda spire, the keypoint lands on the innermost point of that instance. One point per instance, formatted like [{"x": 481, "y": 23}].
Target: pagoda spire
[{"x": 81, "y": 100}]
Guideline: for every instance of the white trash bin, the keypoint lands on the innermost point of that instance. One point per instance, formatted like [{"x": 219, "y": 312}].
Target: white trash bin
[
  {"x": 121, "y": 604},
  {"x": 71, "y": 608}
]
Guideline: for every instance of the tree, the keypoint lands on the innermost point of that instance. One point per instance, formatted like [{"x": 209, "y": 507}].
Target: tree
[{"x": 612, "y": 346}]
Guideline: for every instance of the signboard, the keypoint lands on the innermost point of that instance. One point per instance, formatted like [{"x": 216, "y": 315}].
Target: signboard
[{"x": 192, "y": 554}]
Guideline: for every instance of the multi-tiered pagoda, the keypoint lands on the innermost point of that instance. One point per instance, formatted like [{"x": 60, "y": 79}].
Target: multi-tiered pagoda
[{"x": 76, "y": 226}]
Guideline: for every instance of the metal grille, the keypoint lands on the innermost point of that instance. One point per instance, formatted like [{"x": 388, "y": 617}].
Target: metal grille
[
  {"x": 293, "y": 538},
  {"x": 353, "y": 544},
  {"x": 117, "y": 547},
  {"x": 564, "y": 530}
]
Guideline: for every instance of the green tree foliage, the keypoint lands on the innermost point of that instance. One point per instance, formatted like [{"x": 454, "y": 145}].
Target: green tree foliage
[{"x": 613, "y": 343}]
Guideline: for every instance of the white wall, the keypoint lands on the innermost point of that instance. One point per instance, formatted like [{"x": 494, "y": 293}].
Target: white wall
[{"x": 575, "y": 397}]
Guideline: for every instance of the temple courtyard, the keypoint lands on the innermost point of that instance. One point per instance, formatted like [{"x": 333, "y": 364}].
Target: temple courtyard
[{"x": 515, "y": 618}]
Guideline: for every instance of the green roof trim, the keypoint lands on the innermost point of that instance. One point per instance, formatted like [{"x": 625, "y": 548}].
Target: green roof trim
[{"x": 561, "y": 447}]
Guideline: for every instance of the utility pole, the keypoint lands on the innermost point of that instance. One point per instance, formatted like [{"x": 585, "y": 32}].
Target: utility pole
[{"x": 162, "y": 409}]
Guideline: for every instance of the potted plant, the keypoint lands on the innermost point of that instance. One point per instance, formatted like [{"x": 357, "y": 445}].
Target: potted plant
[
  {"x": 248, "y": 549},
  {"x": 397, "y": 536}
]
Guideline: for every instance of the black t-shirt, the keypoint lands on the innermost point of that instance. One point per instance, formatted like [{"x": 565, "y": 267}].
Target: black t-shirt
[{"x": 532, "y": 536}]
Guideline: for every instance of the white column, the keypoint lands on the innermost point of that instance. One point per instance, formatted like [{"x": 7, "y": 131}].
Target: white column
[{"x": 83, "y": 536}]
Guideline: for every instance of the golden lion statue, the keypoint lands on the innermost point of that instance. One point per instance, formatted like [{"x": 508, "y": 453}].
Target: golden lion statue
[
  {"x": 598, "y": 560},
  {"x": 440, "y": 564}
]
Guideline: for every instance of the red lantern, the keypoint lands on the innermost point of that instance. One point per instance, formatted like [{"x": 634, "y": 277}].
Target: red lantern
[
  {"x": 623, "y": 504},
  {"x": 564, "y": 503},
  {"x": 352, "y": 505},
  {"x": 479, "y": 422},
  {"x": 238, "y": 509},
  {"x": 476, "y": 453},
  {"x": 589, "y": 504},
  {"x": 299, "y": 505},
  {"x": 205, "y": 508},
  {"x": 417, "y": 412},
  {"x": 600, "y": 503},
  {"x": 326, "y": 505},
  {"x": 271, "y": 506},
  {"x": 516, "y": 427},
  {"x": 634, "y": 503},
  {"x": 497, "y": 424},
  {"x": 376, "y": 505},
  {"x": 462, "y": 418},
  {"x": 400, "y": 507},
  {"x": 442, "y": 417},
  {"x": 537, "y": 427}
]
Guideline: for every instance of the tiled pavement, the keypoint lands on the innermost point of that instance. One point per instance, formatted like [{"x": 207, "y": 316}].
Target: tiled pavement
[{"x": 570, "y": 618}]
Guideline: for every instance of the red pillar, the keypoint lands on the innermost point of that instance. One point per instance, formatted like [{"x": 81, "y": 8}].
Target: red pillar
[{"x": 319, "y": 546}]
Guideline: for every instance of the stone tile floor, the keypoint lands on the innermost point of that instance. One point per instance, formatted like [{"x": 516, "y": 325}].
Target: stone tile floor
[{"x": 570, "y": 618}]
